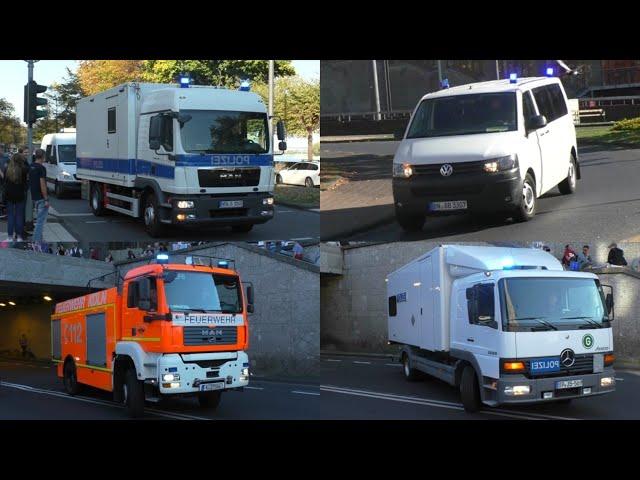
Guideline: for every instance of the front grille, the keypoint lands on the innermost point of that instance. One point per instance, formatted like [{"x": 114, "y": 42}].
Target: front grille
[
  {"x": 582, "y": 365},
  {"x": 229, "y": 177},
  {"x": 210, "y": 363},
  {"x": 458, "y": 168},
  {"x": 210, "y": 336},
  {"x": 228, "y": 212}
]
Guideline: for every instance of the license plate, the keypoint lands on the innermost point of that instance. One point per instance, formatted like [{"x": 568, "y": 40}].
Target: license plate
[
  {"x": 231, "y": 204},
  {"x": 205, "y": 387},
  {"x": 568, "y": 384},
  {"x": 544, "y": 365},
  {"x": 451, "y": 205}
]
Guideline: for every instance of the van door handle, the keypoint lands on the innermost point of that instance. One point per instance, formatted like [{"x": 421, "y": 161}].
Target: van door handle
[{"x": 470, "y": 340}]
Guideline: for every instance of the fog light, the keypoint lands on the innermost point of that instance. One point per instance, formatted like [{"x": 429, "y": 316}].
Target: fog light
[
  {"x": 517, "y": 390},
  {"x": 245, "y": 372},
  {"x": 607, "y": 381},
  {"x": 191, "y": 216},
  {"x": 170, "y": 377},
  {"x": 267, "y": 201},
  {"x": 586, "y": 391},
  {"x": 266, "y": 213},
  {"x": 185, "y": 204},
  {"x": 181, "y": 217},
  {"x": 171, "y": 385},
  {"x": 547, "y": 395}
]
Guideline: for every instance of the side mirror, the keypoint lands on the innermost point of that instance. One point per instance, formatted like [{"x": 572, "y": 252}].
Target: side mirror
[
  {"x": 250, "y": 308},
  {"x": 282, "y": 146},
  {"x": 282, "y": 134},
  {"x": 154, "y": 144},
  {"x": 536, "y": 122},
  {"x": 250, "y": 294},
  {"x": 609, "y": 303}
]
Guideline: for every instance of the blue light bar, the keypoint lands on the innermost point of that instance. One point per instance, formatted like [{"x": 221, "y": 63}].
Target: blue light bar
[
  {"x": 162, "y": 258},
  {"x": 244, "y": 86},
  {"x": 444, "y": 83},
  {"x": 223, "y": 264},
  {"x": 549, "y": 72},
  {"x": 513, "y": 77}
]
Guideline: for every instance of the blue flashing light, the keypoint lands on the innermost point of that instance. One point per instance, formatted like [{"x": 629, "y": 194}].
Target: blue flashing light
[
  {"x": 185, "y": 81},
  {"x": 507, "y": 263},
  {"x": 244, "y": 86},
  {"x": 444, "y": 83},
  {"x": 549, "y": 72},
  {"x": 223, "y": 264},
  {"x": 513, "y": 77},
  {"x": 162, "y": 258}
]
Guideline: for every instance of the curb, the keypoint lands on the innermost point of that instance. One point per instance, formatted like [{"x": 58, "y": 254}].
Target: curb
[
  {"x": 355, "y": 354},
  {"x": 298, "y": 207},
  {"x": 608, "y": 145},
  {"x": 37, "y": 361}
]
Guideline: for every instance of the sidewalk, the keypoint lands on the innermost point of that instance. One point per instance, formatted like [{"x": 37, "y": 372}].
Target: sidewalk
[{"x": 53, "y": 232}]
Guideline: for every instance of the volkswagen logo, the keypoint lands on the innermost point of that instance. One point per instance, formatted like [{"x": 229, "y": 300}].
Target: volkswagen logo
[
  {"x": 446, "y": 170},
  {"x": 567, "y": 357}
]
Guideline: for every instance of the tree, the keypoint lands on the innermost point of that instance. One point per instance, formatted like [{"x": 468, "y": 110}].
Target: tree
[
  {"x": 97, "y": 76},
  {"x": 67, "y": 95},
  {"x": 11, "y": 130},
  {"x": 224, "y": 73},
  {"x": 297, "y": 103}
]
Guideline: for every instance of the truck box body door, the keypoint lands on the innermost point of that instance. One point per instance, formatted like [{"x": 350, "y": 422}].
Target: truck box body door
[
  {"x": 406, "y": 325},
  {"x": 96, "y": 340}
]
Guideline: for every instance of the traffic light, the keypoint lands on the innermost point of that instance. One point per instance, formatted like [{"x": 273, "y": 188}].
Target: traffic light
[{"x": 32, "y": 102}]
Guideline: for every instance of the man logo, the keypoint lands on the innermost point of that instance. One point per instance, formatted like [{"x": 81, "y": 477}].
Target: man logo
[
  {"x": 567, "y": 357},
  {"x": 446, "y": 170}
]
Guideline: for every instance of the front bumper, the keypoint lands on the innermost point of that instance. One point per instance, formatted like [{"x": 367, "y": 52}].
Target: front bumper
[
  {"x": 206, "y": 210},
  {"x": 540, "y": 385},
  {"x": 197, "y": 369},
  {"x": 484, "y": 192}
]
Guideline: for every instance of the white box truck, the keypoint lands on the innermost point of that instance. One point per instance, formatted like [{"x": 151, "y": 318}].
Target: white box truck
[
  {"x": 505, "y": 325},
  {"x": 178, "y": 156}
]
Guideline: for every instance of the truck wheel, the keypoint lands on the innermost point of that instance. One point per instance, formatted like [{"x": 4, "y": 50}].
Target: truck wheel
[
  {"x": 242, "y": 228},
  {"x": 58, "y": 190},
  {"x": 568, "y": 185},
  {"x": 410, "y": 223},
  {"x": 527, "y": 208},
  {"x": 209, "y": 400},
  {"x": 151, "y": 216},
  {"x": 133, "y": 394},
  {"x": 411, "y": 374},
  {"x": 96, "y": 201},
  {"x": 70, "y": 378},
  {"x": 278, "y": 178},
  {"x": 308, "y": 182},
  {"x": 469, "y": 390}
]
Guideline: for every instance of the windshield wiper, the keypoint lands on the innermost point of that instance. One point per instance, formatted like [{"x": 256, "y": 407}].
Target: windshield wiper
[
  {"x": 586, "y": 319},
  {"x": 537, "y": 319}
]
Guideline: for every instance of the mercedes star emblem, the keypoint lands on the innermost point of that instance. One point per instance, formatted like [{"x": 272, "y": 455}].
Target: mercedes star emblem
[{"x": 567, "y": 357}]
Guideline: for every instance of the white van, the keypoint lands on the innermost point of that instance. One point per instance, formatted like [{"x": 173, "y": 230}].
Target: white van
[
  {"x": 489, "y": 147},
  {"x": 60, "y": 162}
]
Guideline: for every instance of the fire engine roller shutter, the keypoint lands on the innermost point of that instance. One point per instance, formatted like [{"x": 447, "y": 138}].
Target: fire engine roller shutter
[
  {"x": 55, "y": 340},
  {"x": 96, "y": 340}
]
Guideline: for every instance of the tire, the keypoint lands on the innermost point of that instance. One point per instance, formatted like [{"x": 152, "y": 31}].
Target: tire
[
  {"x": 96, "y": 200},
  {"x": 278, "y": 178},
  {"x": 209, "y": 400},
  {"x": 308, "y": 182},
  {"x": 410, "y": 374},
  {"x": 242, "y": 228},
  {"x": 151, "y": 217},
  {"x": 470, "y": 390},
  {"x": 410, "y": 223},
  {"x": 70, "y": 378},
  {"x": 133, "y": 394},
  {"x": 58, "y": 190},
  {"x": 568, "y": 185},
  {"x": 527, "y": 208}
]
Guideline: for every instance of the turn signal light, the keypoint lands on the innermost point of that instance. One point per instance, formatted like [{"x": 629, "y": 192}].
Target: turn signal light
[
  {"x": 513, "y": 366},
  {"x": 609, "y": 358}
]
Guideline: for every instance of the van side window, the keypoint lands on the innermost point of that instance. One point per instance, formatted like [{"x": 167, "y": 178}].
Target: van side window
[
  {"x": 527, "y": 106},
  {"x": 48, "y": 154},
  {"x": 393, "y": 306},
  {"x": 111, "y": 120},
  {"x": 557, "y": 100},
  {"x": 545, "y": 107}
]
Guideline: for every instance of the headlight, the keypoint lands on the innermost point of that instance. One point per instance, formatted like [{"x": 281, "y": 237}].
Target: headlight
[
  {"x": 185, "y": 204},
  {"x": 245, "y": 372},
  {"x": 501, "y": 164},
  {"x": 267, "y": 201},
  {"x": 517, "y": 390},
  {"x": 170, "y": 377},
  {"x": 607, "y": 381},
  {"x": 66, "y": 174},
  {"x": 403, "y": 170}
]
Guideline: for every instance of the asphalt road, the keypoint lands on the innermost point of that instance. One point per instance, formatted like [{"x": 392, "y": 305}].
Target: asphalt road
[
  {"x": 366, "y": 388},
  {"x": 605, "y": 206},
  {"x": 75, "y": 215},
  {"x": 30, "y": 391}
]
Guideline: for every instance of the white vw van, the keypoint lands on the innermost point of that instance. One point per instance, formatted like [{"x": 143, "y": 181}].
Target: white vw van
[
  {"x": 489, "y": 147},
  {"x": 60, "y": 162}
]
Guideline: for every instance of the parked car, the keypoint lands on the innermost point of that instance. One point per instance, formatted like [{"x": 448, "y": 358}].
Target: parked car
[{"x": 301, "y": 173}]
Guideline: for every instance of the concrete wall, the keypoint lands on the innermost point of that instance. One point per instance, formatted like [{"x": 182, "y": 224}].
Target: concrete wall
[
  {"x": 32, "y": 320},
  {"x": 284, "y": 333},
  {"x": 354, "y": 306}
]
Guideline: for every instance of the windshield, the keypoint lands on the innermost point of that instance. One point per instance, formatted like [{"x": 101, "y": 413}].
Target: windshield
[
  {"x": 464, "y": 115},
  {"x": 532, "y": 304},
  {"x": 66, "y": 153},
  {"x": 202, "y": 292},
  {"x": 220, "y": 131}
]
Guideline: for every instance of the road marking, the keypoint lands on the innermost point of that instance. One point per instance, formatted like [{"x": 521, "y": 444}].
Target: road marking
[
  {"x": 361, "y": 363},
  {"x": 332, "y": 360},
  {"x": 53, "y": 393},
  {"x": 302, "y": 238},
  {"x": 255, "y": 388},
  {"x": 437, "y": 403},
  {"x": 632, "y": 372},
  {"x": 619, "y": 379},
  {"x": 393, "y": 364},
  {"x": 286, "y": 211},
  {"x": 96, "y": 221},
  {"x": 304, "y": 393}
]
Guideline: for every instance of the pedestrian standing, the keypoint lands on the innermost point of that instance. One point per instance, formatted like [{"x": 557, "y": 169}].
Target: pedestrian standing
[
  {"x": 616, "y": 256},
  {"x": 584, "y": 258},
  {"x": 131, "y": 255},
  {"x": 39, "y": 193},
  {"x": 109, "y": 258},
  {"x": 298, "y": 251},
  {"x": 93, "y": 254},
  {"x": 61, "y": 250},
  {"x": 568, "y": 256},
  {"x": 15, "y": 185}
]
